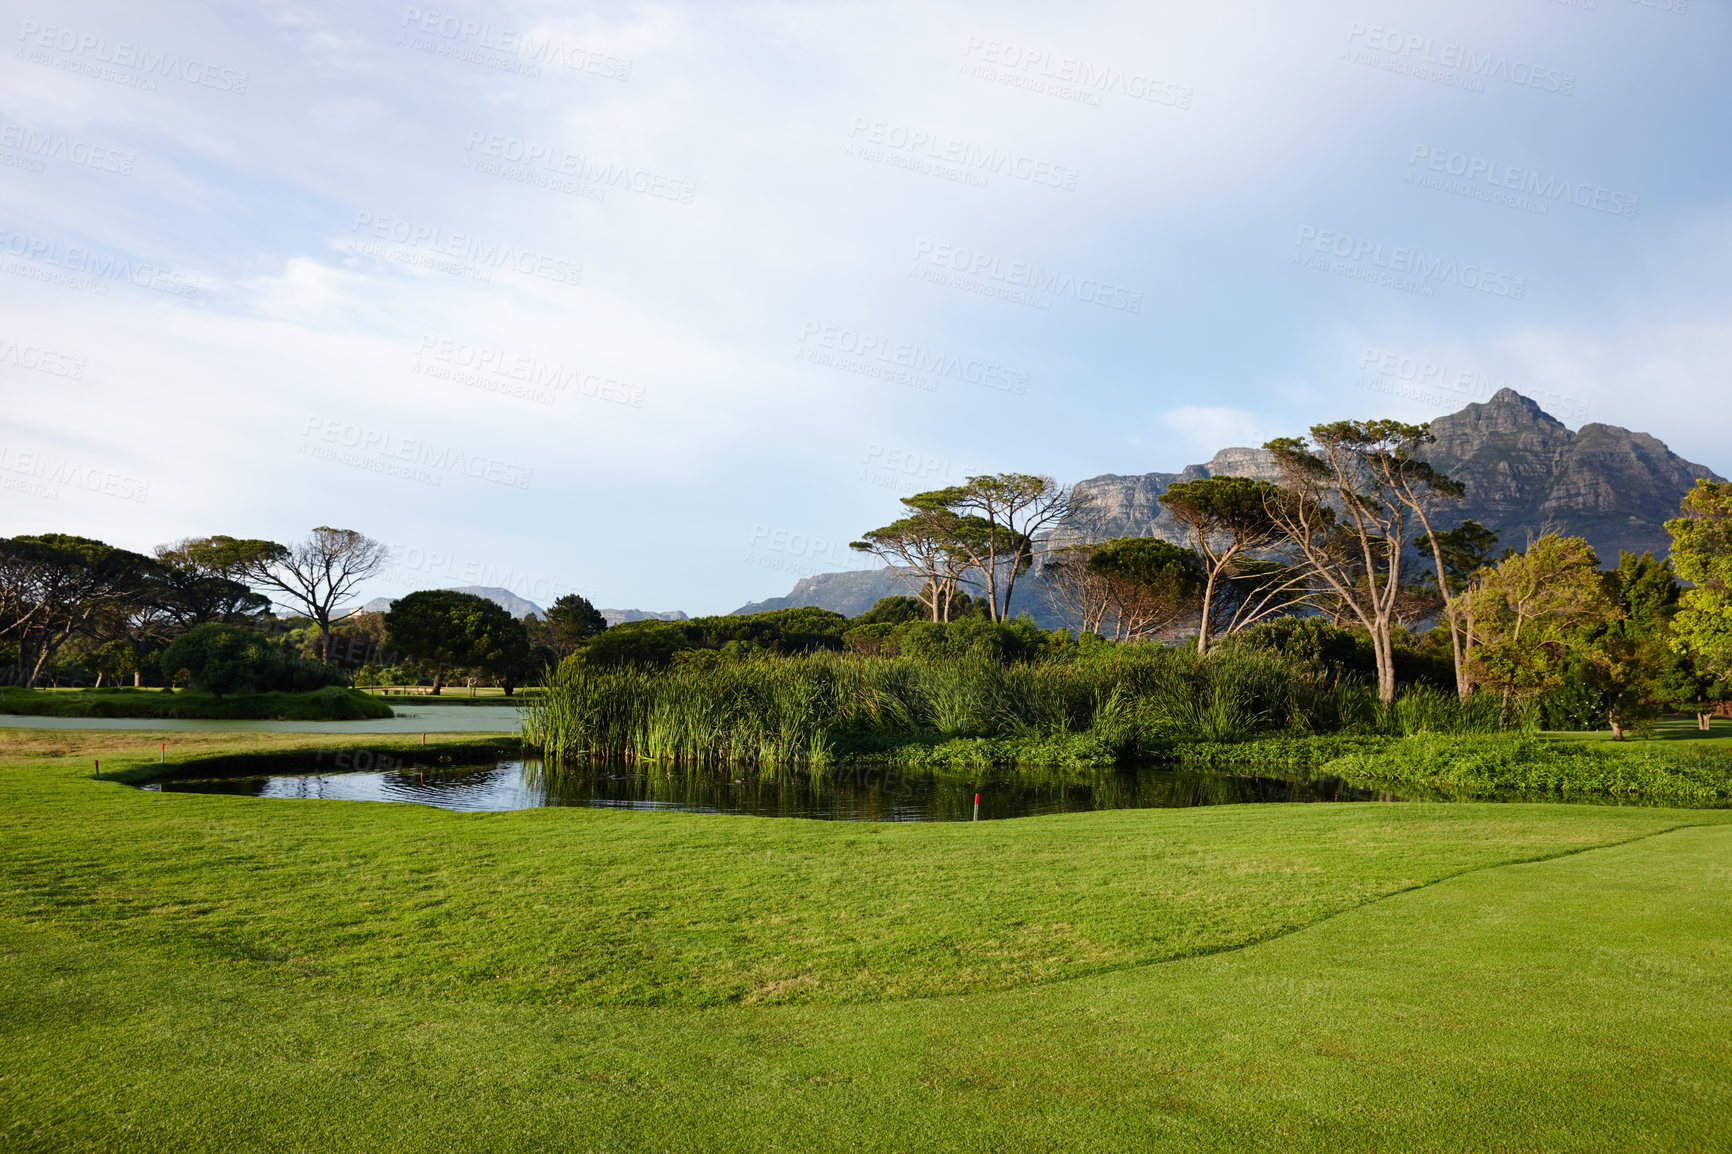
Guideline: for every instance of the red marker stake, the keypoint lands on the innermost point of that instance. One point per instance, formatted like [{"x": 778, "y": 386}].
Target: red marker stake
[
  {"x": 977, "y": 807},
  {"x": 423, "y": 739},
  {"x": 99, "y": 767}
]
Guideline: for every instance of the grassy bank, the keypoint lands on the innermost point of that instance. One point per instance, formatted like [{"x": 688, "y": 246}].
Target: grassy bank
[
  {"x": 189, "y": 972},
  {"x": 333, "y": 703},
  {"x": 1485, "y": 765}
]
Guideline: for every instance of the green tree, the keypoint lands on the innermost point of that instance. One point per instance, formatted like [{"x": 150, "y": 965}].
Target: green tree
[
  {"x": 1359, "y": 488},
  {"x": 1153, "y": 584},
  {"x": 54, "y": 587},
  {"x": 1231, "y": 521},
  {"x": 999, "y": 516},
  {"x": 220, "y": 659},
  {"x": 573, "y": 621},
  {"x": 111, "y": 661},
  {"x": 1533, "y": 613},
  {"x": 448, "y": 628},
  {"x": 922, "y": 550},
  {"x": 312, "y": 577},
  {"x": 1702, "y": 555}
]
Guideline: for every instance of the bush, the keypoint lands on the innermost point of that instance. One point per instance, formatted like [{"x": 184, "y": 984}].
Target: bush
[{"x": 222, "y": 659}]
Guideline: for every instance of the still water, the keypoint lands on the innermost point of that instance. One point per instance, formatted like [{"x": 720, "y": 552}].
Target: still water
[{"x": 848, "y": 794}]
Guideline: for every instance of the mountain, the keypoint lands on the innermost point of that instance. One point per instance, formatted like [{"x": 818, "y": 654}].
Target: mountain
[
  {"x": 1525, "y": 473},
  {"x": 851, "y": 592},
  {"x": 1127, "y": 506},
  {"x": 504, "y": 598},
  {"x": 615, "y": 616}
]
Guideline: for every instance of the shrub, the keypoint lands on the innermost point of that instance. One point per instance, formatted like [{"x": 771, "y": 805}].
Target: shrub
[{"x": 222, "y": 659}]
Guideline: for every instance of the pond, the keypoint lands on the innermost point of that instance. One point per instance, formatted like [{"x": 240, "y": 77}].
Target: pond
[{"x": 849, "y": 794}]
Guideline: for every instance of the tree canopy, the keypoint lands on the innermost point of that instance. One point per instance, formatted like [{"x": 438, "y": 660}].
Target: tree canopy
[{"x": 448, "y": 628}]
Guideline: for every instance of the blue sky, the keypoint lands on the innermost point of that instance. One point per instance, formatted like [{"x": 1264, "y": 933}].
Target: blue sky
[{"x": 663, "y": 303}]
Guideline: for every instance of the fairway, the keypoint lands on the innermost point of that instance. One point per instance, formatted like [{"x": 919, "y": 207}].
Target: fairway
[{"x": 202, "y": 972}]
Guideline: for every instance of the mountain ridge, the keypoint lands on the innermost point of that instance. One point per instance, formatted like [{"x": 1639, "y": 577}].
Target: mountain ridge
[{"x": 1524, "y": 472}]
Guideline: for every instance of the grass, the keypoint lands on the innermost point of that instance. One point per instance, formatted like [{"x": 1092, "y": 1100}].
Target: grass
[
  {"x": 1100, "y": 705},
  {"x": 184, "y": 971},
  {"x": 332, "y": 703}
]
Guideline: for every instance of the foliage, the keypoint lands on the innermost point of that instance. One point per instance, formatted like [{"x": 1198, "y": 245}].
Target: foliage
[
  {"x": 979, "y": 533},
  {"x": 802, "y": 629},
  {"x": 891, "y": 611},
  {"x": 1484, "y": 766},
  {"x": 313, "y": 576},
  {"x": 1702, "y": 555},
  {"x": 55, "y": 586},
  {"x": 1533, "y": 612},
  {"x": 573, "y": 621},
  {"x": 1355, "y": 491},
  {"x": 1464, "y": 550},
  {"x": 1233, "y": 525},
  {"x": 1008, "y": 691},
  {"x": 332, "y": 703},
  {"x": 223, "y": 659},
  {"x": 449, "y": 628}
]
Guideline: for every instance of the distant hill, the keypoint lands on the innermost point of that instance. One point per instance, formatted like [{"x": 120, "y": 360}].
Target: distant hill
[
  {"x": 615, "y": 616},
  {"x": 1524, "y": 471},
  {"x": 850, "y": 592},
  {"x": 521, "y": 607}
]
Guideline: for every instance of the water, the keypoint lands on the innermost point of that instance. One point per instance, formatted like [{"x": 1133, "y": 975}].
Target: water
[
  {"x": 838, "y": 795},
  {"x": 410, "y": 718}
]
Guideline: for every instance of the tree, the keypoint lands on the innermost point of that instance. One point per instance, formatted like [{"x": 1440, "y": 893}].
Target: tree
[
  {"x": 1702, "y": 555},
  {"x": 573, "y": 621},
  {"x": 1081, "y": 596},
  {"x": 1230, "y": 520},
  {"x": 1015, "y": 508},
  {"x": 196, "y": 585},
  {"x": 55, "y": 586},
  {"x": 312, "y": 577},
  {"x": 1153, "y": 584},
  {"x": 449, "y": 628},
  {"x": 220, "y": 659},
  {"x": 111, "y": 660},
  {"x": 1629, "y": 657},
  {"x": 921, "y": 550},
  {"x": 1533, "y": 612},
  {"x": 1357, "y": 491}
]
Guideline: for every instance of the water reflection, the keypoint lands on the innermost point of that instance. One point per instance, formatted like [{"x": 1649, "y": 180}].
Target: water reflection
[{"x": 845, "y": 794}]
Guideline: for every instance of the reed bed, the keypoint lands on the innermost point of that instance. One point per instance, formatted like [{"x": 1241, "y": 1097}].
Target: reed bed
[{"x": 816, "y": 709}]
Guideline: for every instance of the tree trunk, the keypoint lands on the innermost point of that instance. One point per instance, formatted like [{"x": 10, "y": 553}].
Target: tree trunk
[
  {"x": 1617, "y": 730},
  {"x": 438, "y": 678},
  {"x": 1382, "y": 647},
  {"x": 137, "y": 679},
  {"x": 98, "y": 684},
  {"x": 1203, "y": 622},
  {"x": 1705, "y": 721}
]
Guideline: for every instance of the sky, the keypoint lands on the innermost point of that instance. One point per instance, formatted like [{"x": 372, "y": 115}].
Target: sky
[{"x": 664, "y": 303}]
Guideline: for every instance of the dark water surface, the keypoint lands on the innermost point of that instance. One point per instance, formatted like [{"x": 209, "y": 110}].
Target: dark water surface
[{"x": 849, "y": 794}]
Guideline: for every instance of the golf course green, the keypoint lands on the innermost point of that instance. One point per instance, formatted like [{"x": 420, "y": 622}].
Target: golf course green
[{"x": 202, "y": 972}]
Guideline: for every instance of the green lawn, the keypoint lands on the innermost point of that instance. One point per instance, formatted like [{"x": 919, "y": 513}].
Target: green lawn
[{"x": 187, "y": 971}]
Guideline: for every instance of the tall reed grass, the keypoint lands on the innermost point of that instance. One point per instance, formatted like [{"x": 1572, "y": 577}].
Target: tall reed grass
[{"x": 1104, "y": 707}]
